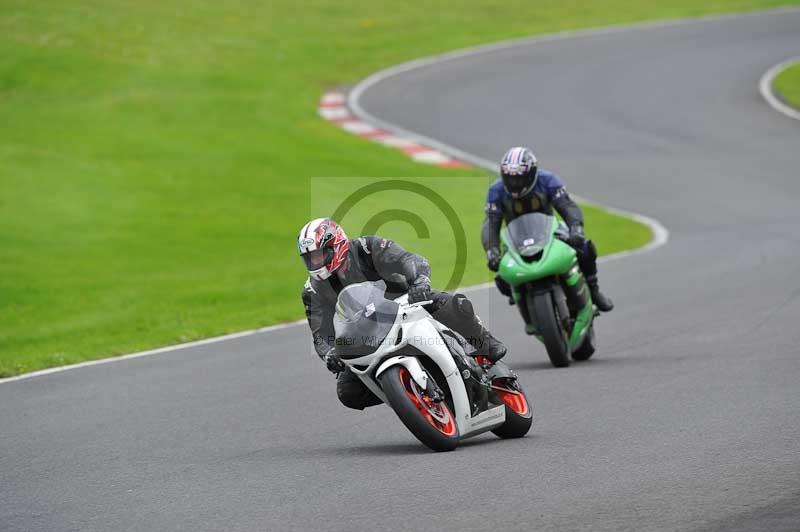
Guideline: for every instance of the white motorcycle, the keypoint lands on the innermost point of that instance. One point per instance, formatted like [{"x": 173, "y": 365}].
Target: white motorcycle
[{"x": 424, "y": 371}]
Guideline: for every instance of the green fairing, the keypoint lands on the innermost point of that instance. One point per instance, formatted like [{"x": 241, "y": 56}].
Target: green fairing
[
  {"x": 581, "y": 326},
  {"x": 557, "y": 258},
  {"x": 574, "y": 276}
]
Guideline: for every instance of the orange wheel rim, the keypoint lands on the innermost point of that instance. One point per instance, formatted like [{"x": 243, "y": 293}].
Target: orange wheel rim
[{"x": 438, "y": 415}]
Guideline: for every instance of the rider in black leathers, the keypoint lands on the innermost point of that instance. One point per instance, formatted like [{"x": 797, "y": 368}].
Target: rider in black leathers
[
  {"x": 524, "y": 188},
  {"x": 334, "y": 262}
]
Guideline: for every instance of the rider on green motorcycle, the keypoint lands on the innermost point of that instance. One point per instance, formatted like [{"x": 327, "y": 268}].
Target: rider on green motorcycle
[{"x": 524, "y": 188}]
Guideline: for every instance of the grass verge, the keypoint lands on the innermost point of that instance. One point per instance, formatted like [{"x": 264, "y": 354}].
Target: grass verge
[
  {"x": 156, "y": 156},
  {"x": 787, "y": 85}
]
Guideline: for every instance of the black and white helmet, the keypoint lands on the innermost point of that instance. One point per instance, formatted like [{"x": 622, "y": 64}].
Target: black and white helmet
[{"x": 519, "y": 169}]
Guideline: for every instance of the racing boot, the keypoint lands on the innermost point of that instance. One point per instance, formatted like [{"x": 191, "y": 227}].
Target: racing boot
[
  {"x": 600, "y": 300},
  {"x": 488, "y": 346}
]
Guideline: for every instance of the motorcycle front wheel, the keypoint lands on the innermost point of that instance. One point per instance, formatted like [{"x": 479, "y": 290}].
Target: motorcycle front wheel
[
  {"x": 432, "y": 423},
  {"x": 553, "y": 334}
]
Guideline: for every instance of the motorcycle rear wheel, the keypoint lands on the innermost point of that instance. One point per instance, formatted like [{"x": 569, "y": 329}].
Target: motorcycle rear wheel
[
  {"x": 553, "y": 334},
  {"x": 432, "y": 423},
  {"x": 519, "y": 414}
]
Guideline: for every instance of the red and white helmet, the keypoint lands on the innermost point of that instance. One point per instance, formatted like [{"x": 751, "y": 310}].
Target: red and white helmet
[{"x": 323, "y": 245}]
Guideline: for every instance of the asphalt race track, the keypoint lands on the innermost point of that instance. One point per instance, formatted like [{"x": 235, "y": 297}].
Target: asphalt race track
[{"x": 688, "y": 418}]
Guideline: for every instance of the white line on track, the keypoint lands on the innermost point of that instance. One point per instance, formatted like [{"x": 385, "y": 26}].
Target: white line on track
[
  {"x": 660, "y": 233},
  {"x": 158, "y": 351},
  {"x": 765, "y": 88}
]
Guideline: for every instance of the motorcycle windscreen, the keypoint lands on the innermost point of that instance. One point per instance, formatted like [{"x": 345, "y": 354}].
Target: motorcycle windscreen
[
  {"x": 363, "y": 319},
  {"x": 530, "y": 233}
]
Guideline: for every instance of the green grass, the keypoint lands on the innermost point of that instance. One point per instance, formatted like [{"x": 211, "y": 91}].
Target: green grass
[
  {"x": 787, "y": 85},
  {"x": 156, "y": 156}
]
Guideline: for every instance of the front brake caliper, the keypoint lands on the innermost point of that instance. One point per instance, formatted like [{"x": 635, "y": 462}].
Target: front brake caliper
[{"x": 433, "y": 391}]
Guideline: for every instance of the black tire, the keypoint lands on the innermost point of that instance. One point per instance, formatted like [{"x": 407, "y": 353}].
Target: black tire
[
  {"x": 394, "y": 382},
  {"x": 553, "y": 334},
  {"x": 517, "y": 423},
  {"x": 586, "y": 350}
]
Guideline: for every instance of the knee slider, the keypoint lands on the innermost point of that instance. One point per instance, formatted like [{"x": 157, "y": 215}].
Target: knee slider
[{"x": 349, "y": 399}]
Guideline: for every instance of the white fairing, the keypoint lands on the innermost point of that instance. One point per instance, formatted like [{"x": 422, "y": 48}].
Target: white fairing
[
  {"x": 411, "y": 364},
  {"x": 421, "y": 331}
]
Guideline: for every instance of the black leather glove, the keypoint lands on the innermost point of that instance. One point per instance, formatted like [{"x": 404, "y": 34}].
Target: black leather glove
[
  {"x": 576, "y": 237},
  {"x": 420, "y": 290},
  {"x": 333, "y": 362},
  {"x": 493, "y": 259}
]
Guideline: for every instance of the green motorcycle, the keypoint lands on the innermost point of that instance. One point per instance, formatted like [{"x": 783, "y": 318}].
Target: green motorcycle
[{"x": 548, "y": 287}]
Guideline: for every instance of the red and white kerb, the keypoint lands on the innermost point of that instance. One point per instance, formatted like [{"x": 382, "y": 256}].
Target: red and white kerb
[{"x": 333, "y": 107}]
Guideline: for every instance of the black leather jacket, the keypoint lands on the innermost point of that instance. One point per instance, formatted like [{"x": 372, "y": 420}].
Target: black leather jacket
[{"x": 370, "y": 258}]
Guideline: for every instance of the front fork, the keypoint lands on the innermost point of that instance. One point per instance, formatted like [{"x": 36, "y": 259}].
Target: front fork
[
  {"x": 523, "y": 296},
  {"x": 574, "y": 305}
]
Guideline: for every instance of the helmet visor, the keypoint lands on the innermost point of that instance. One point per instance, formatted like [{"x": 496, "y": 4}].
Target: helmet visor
[
  {"x": 517, "y": 183},
  {"x": 318, "y": 258}
]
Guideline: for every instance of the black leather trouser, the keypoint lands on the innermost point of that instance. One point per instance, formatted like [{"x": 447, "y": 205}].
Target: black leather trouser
[{"x": 455, "y": 312}]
